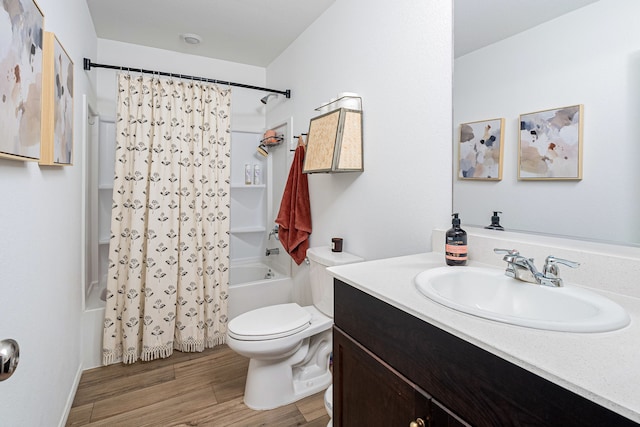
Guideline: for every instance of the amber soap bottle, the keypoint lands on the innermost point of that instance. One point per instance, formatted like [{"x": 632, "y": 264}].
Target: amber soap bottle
[{"x": 455, "y": 248}]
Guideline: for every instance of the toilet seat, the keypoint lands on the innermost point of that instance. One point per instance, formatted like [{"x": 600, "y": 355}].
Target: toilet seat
[{"x": 276, "y": 321}]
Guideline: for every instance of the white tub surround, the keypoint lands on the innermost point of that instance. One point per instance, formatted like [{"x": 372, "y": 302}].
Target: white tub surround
[
  {"x": 250, "y": 288},
  {"x": 602, "y": 367},
  {"x": 247, "y": 272}
]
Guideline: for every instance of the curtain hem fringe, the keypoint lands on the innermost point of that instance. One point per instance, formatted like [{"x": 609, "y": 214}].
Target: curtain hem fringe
[
  {"x": 110, "y": 358},
  {"x": 191, "y": 345},
  {"x": 153, "y": 353}
]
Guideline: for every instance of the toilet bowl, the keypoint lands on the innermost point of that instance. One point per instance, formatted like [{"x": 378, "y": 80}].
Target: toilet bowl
[
  {"x": 289, "y": 345},
  {"x": 328, "y": 404}
]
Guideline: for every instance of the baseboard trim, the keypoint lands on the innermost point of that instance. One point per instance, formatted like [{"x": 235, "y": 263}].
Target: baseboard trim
[{"x": 72, "y": 395}]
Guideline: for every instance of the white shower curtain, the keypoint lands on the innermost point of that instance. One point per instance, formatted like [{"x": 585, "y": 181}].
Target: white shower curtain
[{"x": 168, "y": 276}]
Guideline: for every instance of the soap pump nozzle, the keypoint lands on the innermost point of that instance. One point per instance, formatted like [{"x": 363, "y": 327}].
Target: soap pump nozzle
[
  {"x": 455, "y": 220},
  {"x": 495, "y": 222}
]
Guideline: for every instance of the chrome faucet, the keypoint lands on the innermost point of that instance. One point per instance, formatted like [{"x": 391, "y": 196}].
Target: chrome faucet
[
  {"x": 274, "y": 232},
  {"x": 550, "y": 270},
  {"x": 524, "y": 269},
  {"x": 274, "y": 251},
  {"x": 518, "y": 267}
]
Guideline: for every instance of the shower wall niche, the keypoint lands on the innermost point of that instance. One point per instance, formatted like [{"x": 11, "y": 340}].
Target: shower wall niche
[{"x": 248, "y": 200}]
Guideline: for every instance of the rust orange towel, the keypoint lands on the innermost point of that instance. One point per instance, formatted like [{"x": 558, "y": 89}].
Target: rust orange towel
[{"x": 294, "y": 217}]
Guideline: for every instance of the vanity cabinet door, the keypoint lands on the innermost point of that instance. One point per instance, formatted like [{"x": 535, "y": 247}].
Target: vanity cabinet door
[
  {"x": 441, "y": 416},
  {"x": 368, "y": 392}
]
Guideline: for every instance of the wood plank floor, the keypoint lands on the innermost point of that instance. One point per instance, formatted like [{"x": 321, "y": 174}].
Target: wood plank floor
[{"x": 186, "y": 389}]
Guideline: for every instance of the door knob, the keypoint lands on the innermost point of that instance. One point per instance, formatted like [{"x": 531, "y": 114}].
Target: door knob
[{"x": 9, "y": 356}]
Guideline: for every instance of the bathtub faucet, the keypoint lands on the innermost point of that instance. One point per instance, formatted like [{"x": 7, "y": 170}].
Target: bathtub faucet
[
  {"x": 274, "y": 251},
  {"x": 274, "y": 232}
]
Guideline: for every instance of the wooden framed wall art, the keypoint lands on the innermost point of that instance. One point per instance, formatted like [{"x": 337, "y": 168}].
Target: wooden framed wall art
[
  {"x": 21, "y": 82},
  {"x": 481, "y": 150},
  {"x": 57, "y": 104},
  {"x": 551, "y": 144},
  {"x": 334, "y": 143}
]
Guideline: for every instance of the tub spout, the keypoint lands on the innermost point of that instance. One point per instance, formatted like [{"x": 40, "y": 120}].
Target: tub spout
[{"x": 274, "y": 251}]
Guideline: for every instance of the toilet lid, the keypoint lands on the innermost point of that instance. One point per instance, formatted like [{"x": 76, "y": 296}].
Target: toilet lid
[{"x": 275, "y": 321}]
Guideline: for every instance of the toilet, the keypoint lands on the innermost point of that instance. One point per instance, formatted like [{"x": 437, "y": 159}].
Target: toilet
[
  {"x": 289, "y": 346},
  {"x": 328, "y": 404}
]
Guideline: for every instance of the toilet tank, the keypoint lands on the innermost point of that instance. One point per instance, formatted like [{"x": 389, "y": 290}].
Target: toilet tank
[{"x": 321, "y": 282}]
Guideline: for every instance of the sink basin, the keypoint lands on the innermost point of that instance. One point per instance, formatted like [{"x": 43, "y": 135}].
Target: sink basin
[{"x": 488, "y": 293}]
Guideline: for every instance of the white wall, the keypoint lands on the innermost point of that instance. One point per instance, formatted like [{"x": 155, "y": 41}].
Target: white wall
[
  {"x": 247, "y": 112},
  {"x": 587, "y": 57},
  {"x": 41, "y": 250},
  {"x": 398, "y": 57}
]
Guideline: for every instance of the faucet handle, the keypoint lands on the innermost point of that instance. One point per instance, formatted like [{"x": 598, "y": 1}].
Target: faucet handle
[
  {"x": 509, "y": 254},
  {"x": 274, "y": 232},
  {"x": 551, "y": 265},
  {"x": 506, "y": 251},
  {"x": 552, "y": 261}
]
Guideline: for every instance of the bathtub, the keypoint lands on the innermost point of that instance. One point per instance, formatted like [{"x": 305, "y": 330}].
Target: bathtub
[{"x": 250, "y": 287}]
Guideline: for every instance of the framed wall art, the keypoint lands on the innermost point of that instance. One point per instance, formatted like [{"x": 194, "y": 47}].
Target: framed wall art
[
  {"x": 481, "y": 150},
  {"x": 334, "y": 143},
  {"x": 550, "y": 145},
  {"x": 57, "y": 104},
  {"x": 21, "y": 82}
]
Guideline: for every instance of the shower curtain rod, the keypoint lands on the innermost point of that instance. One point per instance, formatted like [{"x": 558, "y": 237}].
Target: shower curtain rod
[{"x": 88, "y": 65}]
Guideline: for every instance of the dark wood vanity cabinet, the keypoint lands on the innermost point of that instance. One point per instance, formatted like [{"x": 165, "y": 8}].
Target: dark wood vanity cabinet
[
  {"x": 372, "y": 393},
  {"x": 391, "y": 368}
]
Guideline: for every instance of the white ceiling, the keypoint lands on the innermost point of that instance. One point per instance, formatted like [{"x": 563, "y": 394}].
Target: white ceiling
[
  {"x": 255, "y": 32},
  {"x": 479, "y": 23},
  {"x": 251, "y": 32}
]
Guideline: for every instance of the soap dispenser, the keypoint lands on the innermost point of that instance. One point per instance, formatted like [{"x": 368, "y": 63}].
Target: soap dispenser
[
  {"x": 495, "y": 222},
  {"x": 456, "y": 243}
]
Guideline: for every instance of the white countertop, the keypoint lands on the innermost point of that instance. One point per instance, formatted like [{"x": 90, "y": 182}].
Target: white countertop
[{"x": 602, "y": 367}]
